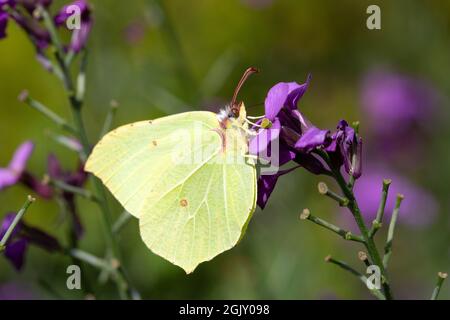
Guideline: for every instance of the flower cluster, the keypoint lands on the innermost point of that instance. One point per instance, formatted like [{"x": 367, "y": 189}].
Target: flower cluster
[
  {"x": 299, "y": 140},
  {"x": 26, "y": 14},
  {"x": 16, "y": 173}
]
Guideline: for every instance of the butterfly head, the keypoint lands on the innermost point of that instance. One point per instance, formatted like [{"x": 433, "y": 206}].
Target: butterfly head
[
  {"x": 228, "y": 118},
  {"x": 235, "y": 111}
]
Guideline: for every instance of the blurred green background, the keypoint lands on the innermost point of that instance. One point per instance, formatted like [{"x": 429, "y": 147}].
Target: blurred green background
[{"x": 158, "y": 58}]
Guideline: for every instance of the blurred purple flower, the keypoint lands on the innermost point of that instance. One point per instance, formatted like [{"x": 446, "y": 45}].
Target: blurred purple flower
[
  {"x": 16, "y": 172},
  {"x": 395, "y": 102},
  {"x": 21, "y": 237},
  {"x": 400, "y": 108},
  {"x": 135, "y": 32},
  {"x": 76, "y": 178},
  {"x": 81, "y": 35},
  {"x": 419, "y": 208},
  {"x": 14, "y": 291}
]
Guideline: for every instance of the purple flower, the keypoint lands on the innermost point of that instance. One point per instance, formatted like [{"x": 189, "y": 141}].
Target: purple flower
[
  {"x": 419, "y": 208},
  {"x": 76, "y": 178},
  {"x": 294, "y": 135},
  {"x": 81, "y": 35},
  {"x": 21, "y": 237},
  {"x": 16, "y": 172}
]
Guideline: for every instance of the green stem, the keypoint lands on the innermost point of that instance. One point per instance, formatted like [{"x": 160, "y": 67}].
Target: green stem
[
  {"x": 440, "y": 281},
  {"x": 369, "y": 243},
  {"x": 363, "y": 257},
  {"x": 324, "y": 190},
  {"x": 75, "y": 190},
  {"x": 90, "y": 259},
  {"x": 377, "y": 293},
  {"x": 16, "y": 220},
  {"x": 121, "y": 222},
  {"x": 59, "y": 121},
  {"x": 377, "y": 223},
  {"x": 346, "y": 235},
  {"x": 390, "y": 236},
  {"x": 354, "y": 209}
]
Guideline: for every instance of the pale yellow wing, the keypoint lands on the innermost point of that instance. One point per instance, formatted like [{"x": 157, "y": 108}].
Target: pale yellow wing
[{"x": 131, "y": 159}]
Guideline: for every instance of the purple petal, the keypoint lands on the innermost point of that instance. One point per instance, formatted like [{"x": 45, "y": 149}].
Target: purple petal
[
  {"x": 15, "y": 252},
  {"x": 310, "y": 163},
  {"x": 258, "y": 145},
  {"x": 356, "y": 170},
  {"x": 40, "y": 238},
  {"x": 80, "y": 36},
  {"x": 296, "y": 91},
  {"x": 266, "y": 184},
  {"x": 21, "y": 156},
  {"x": 64, "y": 13},
  {"x": 285, "y": 155},
  {"x": 313, "y": 138},
  {"x": 276, "y": 97},
  {"x": 7, "y": 178}
]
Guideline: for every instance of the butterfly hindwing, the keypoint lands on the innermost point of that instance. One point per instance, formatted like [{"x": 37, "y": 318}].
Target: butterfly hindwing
[{"x": 203, "y": 216}]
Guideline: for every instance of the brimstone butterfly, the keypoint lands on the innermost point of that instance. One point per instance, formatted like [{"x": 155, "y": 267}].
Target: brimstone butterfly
[{"x": 186, "y": 177}]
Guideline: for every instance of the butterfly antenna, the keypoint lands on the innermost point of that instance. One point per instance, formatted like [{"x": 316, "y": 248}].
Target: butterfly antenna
[{"x": 247, "y": 73}]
